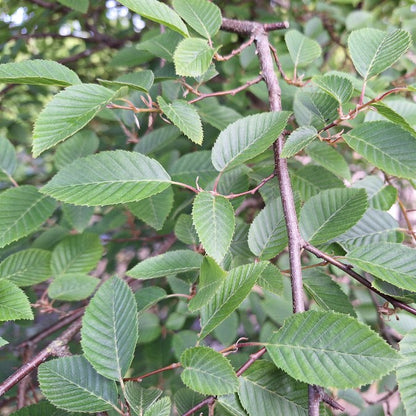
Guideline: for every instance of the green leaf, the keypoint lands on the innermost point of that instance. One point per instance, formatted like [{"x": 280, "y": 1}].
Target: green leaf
[
  {"x": 208, "y": 372},
  {"x": 109, "y": 329},
  {"x": 193, "y": 168},
  {"x": 391, "y": 262},
  {"x": 157, "y": 139},
  {"x": 71, "y": 383},
  {"x": 219, "y": 116},
  {"x": 338, "y": 87},
  {"x": 68, "y": 112},
  {"x": 172, "y": 262},
  {"x": 329, "y": 158},
  {"x": 72, "y": 287},
  {"x": 160, "y": 408},
  {"x": 192, "y": 57},
  {"x": 380, "y": 196},
  {"x": 78, "y": 5},
  {"x": 330, "y": 213},
  {"x": 247, "y": 138},
  {"x": 149, "y": 327},
  {"x": 77, "y": 216},
  {"x": 76, "y": 254},
  {"x": 14, "y": 303},
  {"x": 406, "y": 370},
  {"x": 26, "y": 267},
  {"x": 374, "y": 227},
  {"x": 163, "y": 46},
  {"x": 140, "y": 81},
  {"x": 185, "y": 230},
  {"x": 158, "y": 12},
  {"x": 385, "y": 145},
  {"x": 139, "y": 398},
  {"x": 83, "y": 143},
  {"x": 204, "y": 17},
  {"x": 3, "y": 342},
  {"x": 8, "y": 160},
  {"x": 38, "y": 72},
  {"x": 326, "y": 293},
  {"x": 266, "y": 390},
  {"x": 271, "y": 279},
  {"x": 22, "y": 211},
  {"x": 148, "y": 296},
  {"x": 298, "y": 139},
  {"x": 331, "y": 350},
  {"x": 373, "y": 51},
  {"x": 41, "y": 409},
  {"x": 229, "y": 295},
  {"x": 111, "y": 177},
  {"x": 231, "y": 404},
  {"x": 311, "y": 179},
  {"x": 267, "y": 236},
  {"x": 213, "y": 217},
  {"x": 154, "y": 209},
  {"x": 302, "y": 50},
  {"x": 185, "y": 117},
  {"x": 210, "y": 277}
]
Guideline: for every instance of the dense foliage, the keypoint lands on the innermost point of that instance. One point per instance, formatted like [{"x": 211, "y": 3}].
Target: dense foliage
[{"x": 207, "y": 207}]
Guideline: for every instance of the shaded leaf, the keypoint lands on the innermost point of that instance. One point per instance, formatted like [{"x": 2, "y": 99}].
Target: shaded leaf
[
  {"x": 76, "y": 254},
  {"x": 111, "y": 177},
  {"x": 204, "y": 17},
  {"x": 208, "y": 372},
  {"x": 302, "y": 49},
  {"x": 231, "y": 404},
  {"x": 68, "y": 112},
  {"x": 160, "y": 408},
  {"x": 26, "y": 267},
  {"x": 157, "y": 139},
  {"x": 229, "y": 295},
  {"x": 391, "y": 262},
  {"x": 14, "y": 303},
  {"x": 8, "y": 160},
  {"x": 172, "y": 262},
  {"x": 385, "y": 145},
  {"x": 185, "y": 230},
  {"x": 219, "y": 116},
  {"x": 271, "y": 279},
  {"x": 380, "y": 196},
  {"x": 330, "y": 213},
  {"x": 158, "y": 12},
  {"x": 72, "y": 287},
  {"x": 297, "y": 140},
  {"x": 185, "y": 117},
  {"x": 373, "y": 51},
  {"x": 192, "y": 57},
  {"x": 214, "y": 221},
  {"x": 163, "y": 46},
  {"x": 41, "y": 409},
  {"x": 78, "y": 216},
  {"x": 38, "y": 72},
  {"x": 78, "y": 5},
  {"x": 148, "y": 296},
  {"x": 22, "y": 211},
  {"x": 109, "y": 329},
  {"x": 139, "y": 398},
  {"x": 71, "y": 383},
  {"x": 331, "y": 350},
  {"x": 140, "y": 81}
]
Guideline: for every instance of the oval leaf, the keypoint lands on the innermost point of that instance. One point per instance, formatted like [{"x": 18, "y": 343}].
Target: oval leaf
[
  {"x": 22, "y": 211},
  {"x": 204, "y": 17},
  {"x": 330, "y": 213},
  {"x": 372, "y": 51},
  {"x": 14, "y": 303},
  {"x": 68, "y": 112},
  {"x": 111, "y": 177},
  {"x": 109, "y": 329},
  {"x": 71, "y": 383},
  {"x": 298, "y": 139},
  {"x": 169, "y": 263},
  {"x": 192, "y": 57},
  {"x": 72, "y": 287},
  {"x": 393, "y": 263},
  {"x": 38, "y": 72},
  {"x": 340, "y": 88},
  {"x": 302, "y": 50},
  {"x": 385, "y": 145},
  {"x": 247, "y": 138},
  {"x": 208, "y": 372},
  {"x": 331, "y": 350},
  {"x": 214, "y": 221}
]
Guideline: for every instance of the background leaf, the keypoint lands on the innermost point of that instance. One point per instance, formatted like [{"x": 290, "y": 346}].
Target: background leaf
[
  {"x": 330, "y": 213},
  {"x": 72, "y": 384},
  {"x": 38, "y": 72},
  {"x": 340, "y": 88},
  {"x": 8, "y": 160},
  {"x": 78, "y": 5},
  {"x": 380, "y": 196},
  {"x": 213, "y": 217},
  {"x": 185, "y": 117},
  {"x": 208, "y": 372},
  {"x": 373, "y": 51},
  {"x": 331, "y": 350},
  {"x": 72, "y": 287},
  {"x": 302, "y": 49},
  {"x": 14, "y": 303},
  {"x": 22, "y": 211},
  {"x": 139, "y": 398},
  {"x": 139, "y": 80},
  {"x": 110, "y": 177},
  {"x": 160, "y": 408},
  {"x": 298, "y": 139},
  {"x": 68, "y": 112},
  {"x": 157, "y": 139},
  {"x": 247, "y": 138},
  {"x": 109, "y": 329}
]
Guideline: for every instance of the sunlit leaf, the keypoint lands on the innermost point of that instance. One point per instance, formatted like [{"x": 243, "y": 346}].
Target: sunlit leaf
[
  {"x": 302, "y": 49},
  {"x": 14, "y": 303},
  {"x": 340, "y": 88}
]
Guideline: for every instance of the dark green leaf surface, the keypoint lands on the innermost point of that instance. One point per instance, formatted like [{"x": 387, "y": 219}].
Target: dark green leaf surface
[
  {"x": 160, "y": 408},
  {"x": 340, "y": 88},
  {"x": 109, "y": 329},
  {"x": 148, "y": 296},
  {"x": 331, "y": 350},
  {"x": 139, "y": 398},
  {"x": 298, "y": 139},
  {"x": 208, "y": 372}
]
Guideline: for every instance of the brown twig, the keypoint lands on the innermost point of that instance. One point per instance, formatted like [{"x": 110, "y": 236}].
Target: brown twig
[{"x": 151, "y": 373}]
